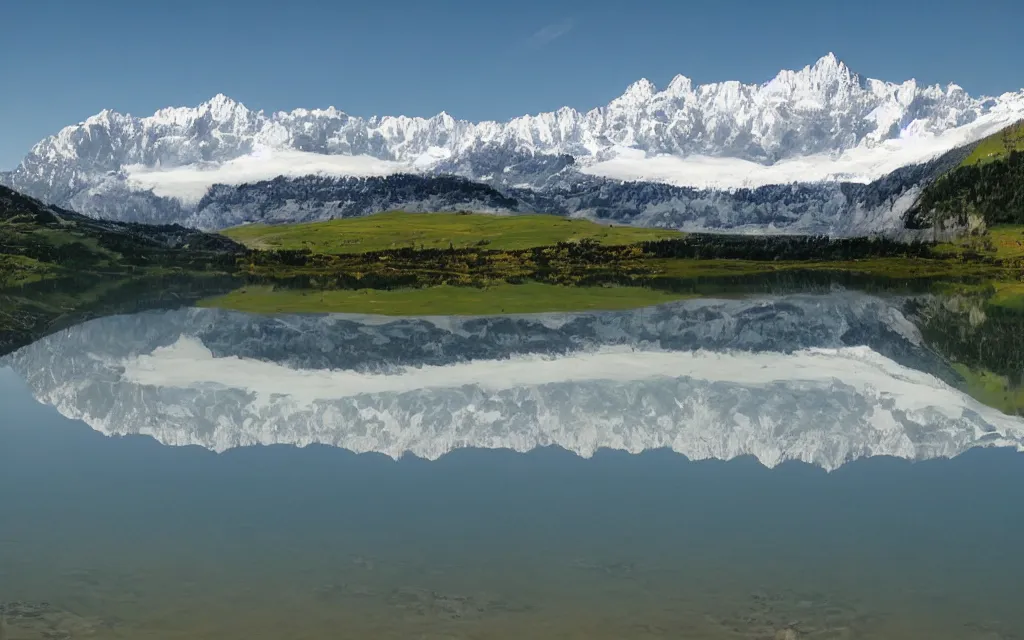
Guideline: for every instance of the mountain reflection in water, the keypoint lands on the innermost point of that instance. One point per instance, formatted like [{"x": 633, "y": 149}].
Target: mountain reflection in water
[
  {"x": 106, "y": 538},
  {"x": 820, "y": 378},
  {"x": 121, "y": 537}
]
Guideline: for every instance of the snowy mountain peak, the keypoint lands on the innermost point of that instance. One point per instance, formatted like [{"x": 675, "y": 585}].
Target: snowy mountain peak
[
  {"x": 787, "y": 129},
  {"x": 679, "y": 85},
  {"x": 102, "y": 118},
  {"x": 830, "y": 61},
  {"x": 831, "y": 69},
  {"x": 221, "y": 107},
  {"x": 444, "y": 119},
  {"x": 637, "y": 93},
  {"x": 829, "y": 77}
]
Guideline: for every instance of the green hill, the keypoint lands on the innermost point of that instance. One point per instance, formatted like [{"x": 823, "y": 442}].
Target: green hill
[
  {"x": 39, "y": 242},
  {"x": 398, "y": 229},
  {"x": 997, "y": 146},
  {"x": 986, "y": 189}
]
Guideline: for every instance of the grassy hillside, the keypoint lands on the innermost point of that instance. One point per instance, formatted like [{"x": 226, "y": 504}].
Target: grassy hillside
[
  {"x": 1004, "y": 243},
  {"x": 986, "y": 189},
  {"x": 437, "y": 264},
  {"x": 398, "y": 229},
  {"x": 997, "y": 146},
  {"x": 39, "y": 242}
]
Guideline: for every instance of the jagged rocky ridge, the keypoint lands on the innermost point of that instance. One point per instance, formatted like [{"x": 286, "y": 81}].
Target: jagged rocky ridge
[
  {"x": 822, "y": 108},
  {"x": 321, "y": 198},
  {"x": 823, "y": 379}
]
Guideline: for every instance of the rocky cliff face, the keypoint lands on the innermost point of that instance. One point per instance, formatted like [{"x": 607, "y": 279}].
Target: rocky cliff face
[{"x": 320, "y": 198}]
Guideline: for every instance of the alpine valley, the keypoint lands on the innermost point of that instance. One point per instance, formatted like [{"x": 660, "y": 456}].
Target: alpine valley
[{"x": 820, "y": 150}]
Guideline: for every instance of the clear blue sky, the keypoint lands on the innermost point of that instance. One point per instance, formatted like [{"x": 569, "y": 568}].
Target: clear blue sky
[{"x": 65, "y": 60}]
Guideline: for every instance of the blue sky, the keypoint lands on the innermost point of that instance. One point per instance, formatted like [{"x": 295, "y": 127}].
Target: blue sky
[{"x": 64, "y": 61}]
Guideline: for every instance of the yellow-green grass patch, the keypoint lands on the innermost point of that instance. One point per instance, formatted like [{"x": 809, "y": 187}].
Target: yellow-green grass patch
[
  {"x": 992, "y": 389},
  {"x": 398, "y": 229},
  {"x": 998, "y": 145},
  {"x": 18, "y": 270},
  {"x": 440, "y": 300}
]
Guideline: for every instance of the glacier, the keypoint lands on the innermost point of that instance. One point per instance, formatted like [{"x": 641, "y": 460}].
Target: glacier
[
  {"x": 190, "y": 183},
  {"x": 825, "y": 378},
  {"x": 820, "y": 124}
]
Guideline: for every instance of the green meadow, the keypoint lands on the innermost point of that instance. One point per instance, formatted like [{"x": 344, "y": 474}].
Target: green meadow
[
  {"x": 398, "y": 229},
  {"x": 998, "y": 145}
]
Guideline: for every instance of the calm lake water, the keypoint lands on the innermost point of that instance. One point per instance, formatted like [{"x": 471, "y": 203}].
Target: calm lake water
[{"x": 805, "y": 466}]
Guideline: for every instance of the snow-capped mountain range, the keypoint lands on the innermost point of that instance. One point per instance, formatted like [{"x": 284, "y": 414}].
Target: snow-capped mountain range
[
  {"x": 823, "y": 379},
  {"x": 823, "y": 123}
]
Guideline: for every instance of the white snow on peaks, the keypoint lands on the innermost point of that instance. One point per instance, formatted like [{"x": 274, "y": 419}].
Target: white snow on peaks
[
  {"x": 822, "y": 122},
  {"x": 862, "y": 164},
  {"x": 774, "y": 378},
  {"x": 824, "y": 406},
  {"x": 189, "y": 183},
  {"x": 188, "y": 362}
]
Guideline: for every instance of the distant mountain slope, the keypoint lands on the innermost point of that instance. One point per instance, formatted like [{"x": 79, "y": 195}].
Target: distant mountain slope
[
  {"x": 831, "y": 208},
  {"x": 823, "y": 123},
  {"x": 319, "y": 198}
]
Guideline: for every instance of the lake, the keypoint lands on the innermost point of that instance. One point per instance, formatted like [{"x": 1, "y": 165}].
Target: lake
[{"x": 830, "y": 465}]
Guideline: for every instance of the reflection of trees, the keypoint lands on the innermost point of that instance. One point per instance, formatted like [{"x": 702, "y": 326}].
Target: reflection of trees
[
  {"x": 41, "y": 308},
  {"x": 980, "y": 336}
]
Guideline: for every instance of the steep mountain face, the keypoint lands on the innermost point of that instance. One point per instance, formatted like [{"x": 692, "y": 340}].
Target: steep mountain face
[
  {"x": 835, "y": 208},
  {"x": 822, "y": 123},
  {"x": 322, "y": 198},
  {"x": 823, "y": 379}
]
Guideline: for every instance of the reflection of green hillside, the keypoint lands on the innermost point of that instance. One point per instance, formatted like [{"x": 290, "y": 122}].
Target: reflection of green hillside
[
  {"x": 30, "y": 312},
  {"x": 993, "y": 389},
  {"x": 441, "y": 300},
  {"x": 981, "y": 331},
  {"x": 58, "y": 267},
  {"x": 1009, "y": 295}
]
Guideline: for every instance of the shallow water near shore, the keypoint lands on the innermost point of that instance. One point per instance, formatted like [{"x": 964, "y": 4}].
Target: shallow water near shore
[
  {"x": 125, "y": 538},
  {"x": 848, "y": 486}
]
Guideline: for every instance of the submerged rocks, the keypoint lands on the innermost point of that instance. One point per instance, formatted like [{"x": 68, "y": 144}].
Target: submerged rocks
[{"x": 20, "y": 620}]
